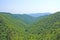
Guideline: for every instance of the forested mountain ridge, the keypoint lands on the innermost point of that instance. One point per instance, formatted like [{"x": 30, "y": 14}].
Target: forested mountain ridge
[
  {"x": 45, "y": 28},
  {"x": 10, "y": 27},
  {"x": 25, "y": 18}
]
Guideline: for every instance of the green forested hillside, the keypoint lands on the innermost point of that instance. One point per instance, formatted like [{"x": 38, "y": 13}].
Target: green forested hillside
[
  {"x": 10, "y": 28},
  {"x": 45, "y": 28},
  {"x": 25, "y": 18}
]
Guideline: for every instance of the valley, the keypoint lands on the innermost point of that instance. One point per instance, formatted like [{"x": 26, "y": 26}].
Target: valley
[{"x": 29, "y": 27}]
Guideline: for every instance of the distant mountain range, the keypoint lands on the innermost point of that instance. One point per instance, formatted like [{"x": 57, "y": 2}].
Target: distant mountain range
[
  {"x": 29, "y": 18},
  {"x": 38, "y": 14}
]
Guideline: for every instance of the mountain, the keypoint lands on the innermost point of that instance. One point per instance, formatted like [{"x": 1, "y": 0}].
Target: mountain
[
  {"x": 15, "y": 27},
  {"x": 10, "y": 28},
  {"x": 39, "y": 14},
  {"x": 47, "y": 28},
  {"x": 25, "y": 18},
  {"x": 29, "y": 18}
]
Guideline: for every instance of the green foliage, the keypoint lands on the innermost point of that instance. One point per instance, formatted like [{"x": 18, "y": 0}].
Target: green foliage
[
  {"x": 3, "y": 30},
  {"x": 45, "y": 28},
  {"x": 48, "y": 27}
]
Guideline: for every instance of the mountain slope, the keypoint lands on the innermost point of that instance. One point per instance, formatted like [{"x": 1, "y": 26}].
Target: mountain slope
[
  {"x": 10, "y": 28},
  {"x": 25, "y": 18},
  {"x": 13, "y": 27},
  {"x": 47, "y": 28}
]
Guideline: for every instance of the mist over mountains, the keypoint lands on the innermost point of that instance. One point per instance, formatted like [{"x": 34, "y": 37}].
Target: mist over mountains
[{"x": 39, "y": 14}]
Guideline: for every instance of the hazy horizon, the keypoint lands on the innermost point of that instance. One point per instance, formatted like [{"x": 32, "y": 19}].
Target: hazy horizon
[{"x": 29, "y": 6}]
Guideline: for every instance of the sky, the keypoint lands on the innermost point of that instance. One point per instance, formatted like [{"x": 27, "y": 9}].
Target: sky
[{"x": 29, "y": 6}]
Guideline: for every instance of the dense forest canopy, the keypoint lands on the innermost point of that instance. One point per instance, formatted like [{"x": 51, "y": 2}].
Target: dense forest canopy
[{"x": 25, "y": 27}]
